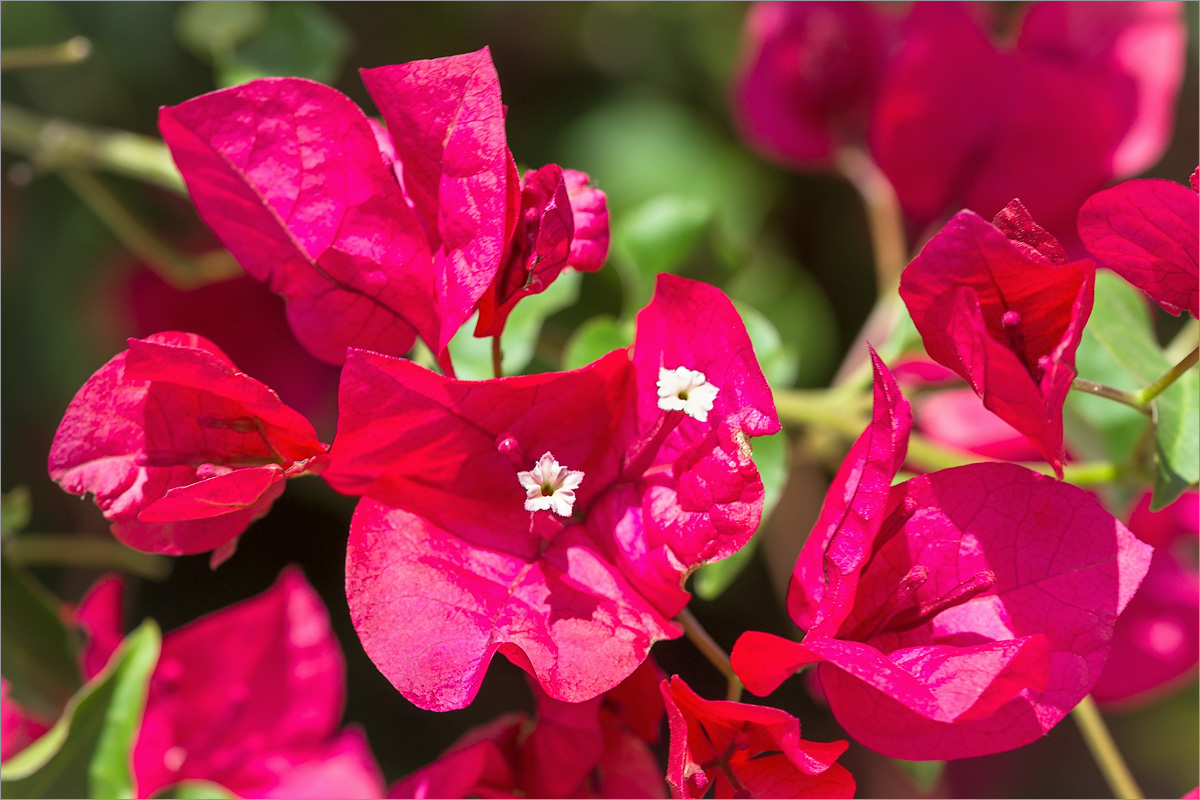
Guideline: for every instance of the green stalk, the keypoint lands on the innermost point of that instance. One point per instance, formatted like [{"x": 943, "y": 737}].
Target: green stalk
[
  {"x": 1148, "y": 393},
  {"x": 53, "y": 144},
  {"x": 1104, "y": 750},
  {"x": 72, "y": 51},
  {"x": 73, "y": 550}
]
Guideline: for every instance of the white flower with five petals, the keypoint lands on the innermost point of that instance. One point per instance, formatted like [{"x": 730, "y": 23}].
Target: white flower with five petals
[
  {"x": 686, "y": 390},
  {"x": 549, "y": 486}
]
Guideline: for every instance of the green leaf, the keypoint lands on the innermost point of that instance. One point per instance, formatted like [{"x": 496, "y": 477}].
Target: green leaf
[
  {"x": 658, "y": 236},
  {"x": 780, "y": 362},
  {"x": 473, "y": 356},
  {"x": 300, "y": 40},
  {"x": 14, "y": 510},
  {"x": 771, "y": 458},
  {"x": 38, "y": 652},
  {"x": 924, "y": 774},
  {"x": 798, "y": 308},
  {"x": 1121, "y": 327},
  {"x": 87, "y": 752},
  {"x": 210, "y": 27},
  {"x": 196, "y": 790},
  {"x": 595, "y": 338},
  {"x": 1177, "y": 434}
]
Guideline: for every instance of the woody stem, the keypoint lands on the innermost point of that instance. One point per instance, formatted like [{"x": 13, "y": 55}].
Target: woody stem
[
  {"x": 712, "y": 651},
  {"x": 497, "y": 357},
  {"x": 1104, "y": 750},
  {"x": 1148, "y": 393}
]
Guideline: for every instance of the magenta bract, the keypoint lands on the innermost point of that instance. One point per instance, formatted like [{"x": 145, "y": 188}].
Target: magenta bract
[
  {"x": 18, "y": 728},
  {"x": 810, "y": 73},
  {"x": 374, "y": 236},
  {"x": 1085, "y": 94},
  {"x": 582, "y": 749},
  {"x": 1156, "y": 642},
  {"x": 746, "y": 750},
  {"x": 249, "y": 697},
  {"x": 547, "y": 241},
  {"x": 181, "y": 450},
  {"x": 450, "y": 558},
  {"x": 1002, "y": 308},
  {"x": 977, "y": 612},
  {"x": 1146, "y": 231}
]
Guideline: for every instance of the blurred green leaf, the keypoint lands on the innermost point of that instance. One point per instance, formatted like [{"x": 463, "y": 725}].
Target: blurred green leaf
[
  {"x": 1121, "y": 326},
  {"x": 196, "y": 790},
  {"x": 14, "y": 510},
  {"x": 300, "y": 40},
  {"x": 639, "y": 147},
  {"x": 210, "y": 27},
  {"x": 473, "y": 356},
  {"x": 38, "y": 656},
  {"x": 658, "y": 236},
  {"x": 1177, "y": 432},
  {"x": 87, "y": 752},
  {"x": 924, "y": 774},
  {"x": 771, "y": 458},
  {"x": 780, "y": 362},
  {"x": 597, "y": 337},
  {"x": 798, "y": 308}
]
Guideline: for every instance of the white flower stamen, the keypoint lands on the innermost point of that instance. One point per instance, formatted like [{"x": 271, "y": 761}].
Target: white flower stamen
[
  {"x": 550, "y": 486},
  {"x": 686, "y": 390}
]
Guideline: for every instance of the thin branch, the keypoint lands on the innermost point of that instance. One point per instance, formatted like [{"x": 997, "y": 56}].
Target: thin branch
[
  {"x": 1104, "y": 750},
  {"x": 884, "y": 218},
  {"x": 74, "y": 550},
  {"x": 497, "y": 358},
  {"x": 72, "y": 51},
  {"x": 712, "y": 651},
  {"x": 1101, "y": 390},
  {"x": 1148, "y": 393},
  {"x": 175, "y": 268},
  {"x": 52, "y": 144}
]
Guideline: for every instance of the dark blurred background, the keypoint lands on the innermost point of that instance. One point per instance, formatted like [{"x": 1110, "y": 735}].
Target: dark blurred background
[{"x": 634, "y": 94}]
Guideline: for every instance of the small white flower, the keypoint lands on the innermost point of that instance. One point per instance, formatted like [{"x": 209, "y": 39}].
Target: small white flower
[
  {"x": 549, "y": 486},
  {"x": 686, "y": 390}
]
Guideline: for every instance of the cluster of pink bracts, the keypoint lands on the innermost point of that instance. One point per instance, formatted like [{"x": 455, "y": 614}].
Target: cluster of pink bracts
[{"x": 554, "y": 518}]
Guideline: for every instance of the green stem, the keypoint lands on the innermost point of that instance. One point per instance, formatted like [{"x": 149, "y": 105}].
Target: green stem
[
  {"x": 73, "y": 550},
  {"x": 1148, "y": 393},
  {"x": 1101, "y": 390},
  {"x": 53, "y": 144},
  {"x": 712, "y": 651},
  {"x": 71, "y": 51},
  {"x": 833, "y": 412},
  {"x": 173, "y": 267},
  {"x": 1104, "y": 750}
]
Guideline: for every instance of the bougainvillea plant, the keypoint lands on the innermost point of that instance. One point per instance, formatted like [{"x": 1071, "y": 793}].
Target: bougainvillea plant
[{"x": 991, "y": 557}]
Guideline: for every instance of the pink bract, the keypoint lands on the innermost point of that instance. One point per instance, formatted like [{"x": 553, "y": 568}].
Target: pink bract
[
  {"x": 374, "y": 236},
  {"x": 974, "y": 613},
  {"x": 18, "y": 727},
  {"x": 1146, "y": 231},
  {"x": 547, "y": 240},
  {"x": 445, "y": 566},
  {"x": 1085, "y": 94},
  {"x": 747, "y": 751},
  {"x": 567, "y": 750},
  {"x": 249, "y": 697},
  {"x": 1156, "y": 642},
  {"x": 181, "y": 450},
  {"x": 809, "y": 75},
  {"x": 1002, "y": 308}
]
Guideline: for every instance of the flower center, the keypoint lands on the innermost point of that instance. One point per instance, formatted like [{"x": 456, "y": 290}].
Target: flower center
[
  {"x": 686, "y": 390},
  {"x": 550, "y": 486}
]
